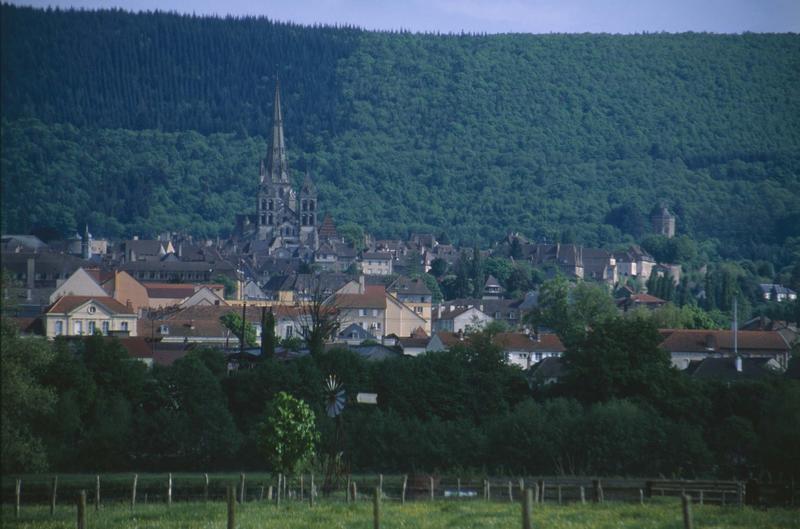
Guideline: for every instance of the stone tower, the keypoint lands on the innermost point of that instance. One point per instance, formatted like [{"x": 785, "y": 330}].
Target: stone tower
[{"x": 663, "y": 222}]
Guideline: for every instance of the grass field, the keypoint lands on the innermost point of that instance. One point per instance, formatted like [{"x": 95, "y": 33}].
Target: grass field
[{"x": 661, "y": 513}]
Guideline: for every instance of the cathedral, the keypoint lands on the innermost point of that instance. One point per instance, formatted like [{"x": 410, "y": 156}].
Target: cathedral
[{"x": 284, "y": 220}]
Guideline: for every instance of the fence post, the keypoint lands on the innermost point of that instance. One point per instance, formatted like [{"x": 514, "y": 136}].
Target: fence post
[
  {"x": 536, "y": 492},
  {"x": 17, "y": 494},
  {"x": 205, "y": 488},
  {"x": 261, "y": 493},
  {"x": 521, "y": 486},
  {"x": 648, "y": 489},
  {"x": 241, "y": 488},
  {"x": 355, "y": 492},
  {"x": 431, "y": 482},
  {"x": 510, "y": 494},
  {"x": 559, "y": 494},
  {"x": 380, "y": 482},
  {"x": 459, "y": 488},
  {"x": 269, "y": 493},
  {"x": 278, "y": 491},
  {"x": 403, "y": 496},
  {"x": 583, "y": 496},
  {"x": 97, "y": 493},
  {"x": 376, "y": 509},
  {"x": 231, "y": 506},
  {"x": 169, "y": 490},
  {"x": 527, "y": 509},
  {"x": 600, "y": 491},
  {"x": 739, "y": 493},
  {"x": 311, "y": 492},
  {"x": 488, "y": 490},
  {"x": 53, "y": 494},
  {"x": 687, "y": 511},
  {"x": 302, "y": 491},
  {"x": 82, "y": 510},
  {"x": 347, "y": 494},
  {"x": 641, "y": 496},
  {"x": 133, "y": 491},
  {"x": 701, "y": 497},
  {"x": 543, "y": 488}
]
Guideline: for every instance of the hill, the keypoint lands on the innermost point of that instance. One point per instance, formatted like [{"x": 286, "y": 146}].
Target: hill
[{"x": 144, "y": 122}]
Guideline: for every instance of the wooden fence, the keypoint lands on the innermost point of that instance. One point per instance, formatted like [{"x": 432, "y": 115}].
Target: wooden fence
[{"x": 401, "y": 488}]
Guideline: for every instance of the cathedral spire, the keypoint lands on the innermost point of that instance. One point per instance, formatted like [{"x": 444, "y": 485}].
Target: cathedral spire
[{"x": 277, "y": 165}]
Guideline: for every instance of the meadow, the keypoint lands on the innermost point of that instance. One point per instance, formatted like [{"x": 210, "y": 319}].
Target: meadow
[{"x": 660, "y": 513}]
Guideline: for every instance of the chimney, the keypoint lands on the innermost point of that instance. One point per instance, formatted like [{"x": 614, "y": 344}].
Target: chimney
[
  {"x": 711, "y": 342},
  {"x": 31, "y": 275},
  {"x": 738, "y": 364},
  {"x": 361, "y": 284}
]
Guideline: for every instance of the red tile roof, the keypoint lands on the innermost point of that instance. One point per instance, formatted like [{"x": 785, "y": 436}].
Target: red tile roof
[
  {"x": 684, "y": 340},
  {"x": 517, "y": 341},
  {"x": 68, "y": 304}
]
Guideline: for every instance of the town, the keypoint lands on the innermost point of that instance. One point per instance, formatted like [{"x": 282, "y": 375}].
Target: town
[{"x": 164, "y": 296}]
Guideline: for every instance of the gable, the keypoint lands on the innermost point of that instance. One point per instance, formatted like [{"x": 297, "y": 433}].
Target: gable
[{"x": 80, "y": 283}]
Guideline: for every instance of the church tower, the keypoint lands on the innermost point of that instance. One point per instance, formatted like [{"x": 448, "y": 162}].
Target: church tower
[
  {"x": 308, "y": 213},
  {"x": 277, "y": 201}
]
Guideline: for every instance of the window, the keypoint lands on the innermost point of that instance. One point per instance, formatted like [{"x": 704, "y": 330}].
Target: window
[
  {"x": 105, "y": 327},
  {"x": 92, "y": 326},
  {"x": 59, "y": 328},
  {"x": 289, "y": 331},
  {"x": 77, "y": 328},
  {"x": 374, "y": 313},
  {"x": 362, "y": 312},
  {"x": 418, "y": 310},
  {"x": 92, "y": 309},
  {"x": 163, "y": 329},
  {"x": 123, "y": 326}
]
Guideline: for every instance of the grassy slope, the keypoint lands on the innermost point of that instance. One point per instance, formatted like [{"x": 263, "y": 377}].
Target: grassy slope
[{"x": 661, "y": 514}]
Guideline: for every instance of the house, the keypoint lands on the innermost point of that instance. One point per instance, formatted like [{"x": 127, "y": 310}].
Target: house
[
  {"x": 548, "y": 371},
  {"x": 775, "y": 292},
  {"x": 444, "y": 340},
  {"x": 80, "y": 283},
  {"x": 35, "y": 275},
  {"x": 179, "y": 271},
  {"x": 635, "y": 301},
  {"x": 204, "y": 296},
  {"x": 376, "y": 263},
  {"x": 416, "y": 295},
  {"x": 526, "y": 349},
  {"x": 415, "y": 344},
  {"x": 634, "y": 263},
  {"x": 163, "y": 295},
  {"x": 509, "y": 311},
  {"x": 458, "y": 319},
  {"x": 599, "y": 265},
  {"x": 685, "y": 345},
  {"x": 731, "y": 369},
  {"x": 85, "y": 315},
  {"x": 354, "y": 334}
]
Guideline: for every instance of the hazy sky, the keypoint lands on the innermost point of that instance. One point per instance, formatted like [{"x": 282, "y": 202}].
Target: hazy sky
[{"x": 494, "y": 16}]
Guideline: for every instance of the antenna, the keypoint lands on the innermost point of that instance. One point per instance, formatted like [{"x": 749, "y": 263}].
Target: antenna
[{"x": 735, "y": 327}]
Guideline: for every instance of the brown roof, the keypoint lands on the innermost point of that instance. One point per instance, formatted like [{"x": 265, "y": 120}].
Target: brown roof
[
  {"x": 683, "y": 340},
  {"x": 373, "y": 298},
  {"x": 67, "y": 304},
  {"x": 449, "y": 339},
  {"x": 517, "y": 341},
  {"x": 644, "y": 298},
  {"x": 377, "y": 256}
]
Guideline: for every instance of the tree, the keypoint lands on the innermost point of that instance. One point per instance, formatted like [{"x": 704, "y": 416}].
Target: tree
[
  {"x": 25, "y": 400},
  {"x": 353, "y": 234},
  {"x": 438, "y": 267},
  {"x": 233, "y": 322},
  {"x": 319, "y": 318},
  {"x": 288, "y": 435},
  {"x": 267, "y": 333},
  {"x": 618, "y": 358}
]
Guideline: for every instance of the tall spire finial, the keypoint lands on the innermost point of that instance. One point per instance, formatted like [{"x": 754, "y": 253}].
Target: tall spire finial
[{"x": 277, "y": 165}]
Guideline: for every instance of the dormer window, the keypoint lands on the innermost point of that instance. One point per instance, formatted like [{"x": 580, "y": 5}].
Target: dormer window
[
  {"x": 163, "y": 329},
  {"x": 92, "y": 309}
]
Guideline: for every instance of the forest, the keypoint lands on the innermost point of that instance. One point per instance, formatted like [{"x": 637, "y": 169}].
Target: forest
[
  {"x": 142, "y": 123},
  {"x": 84, "y": 405}
]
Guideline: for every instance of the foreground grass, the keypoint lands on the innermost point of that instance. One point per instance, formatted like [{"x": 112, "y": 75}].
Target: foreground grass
[{"x": 661, "y": 514}]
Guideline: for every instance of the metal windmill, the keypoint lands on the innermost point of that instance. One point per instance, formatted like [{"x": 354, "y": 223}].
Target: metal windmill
[{"x": 335, "y": 400}]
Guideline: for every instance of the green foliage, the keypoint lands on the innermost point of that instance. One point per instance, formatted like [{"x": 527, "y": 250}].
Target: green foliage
[
  {"x": 233, "y": 322},
  {"x": 402, "y": 132},
  {"x": 25, "y": 400},
  {"x": 288, "y": 434}
]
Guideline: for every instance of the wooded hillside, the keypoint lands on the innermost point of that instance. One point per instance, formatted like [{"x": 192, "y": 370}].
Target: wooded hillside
[{"x": 475, "y": 135}]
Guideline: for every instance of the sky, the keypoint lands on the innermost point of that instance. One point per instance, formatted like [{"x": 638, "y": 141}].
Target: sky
[{"x": 492, "y": 16}]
